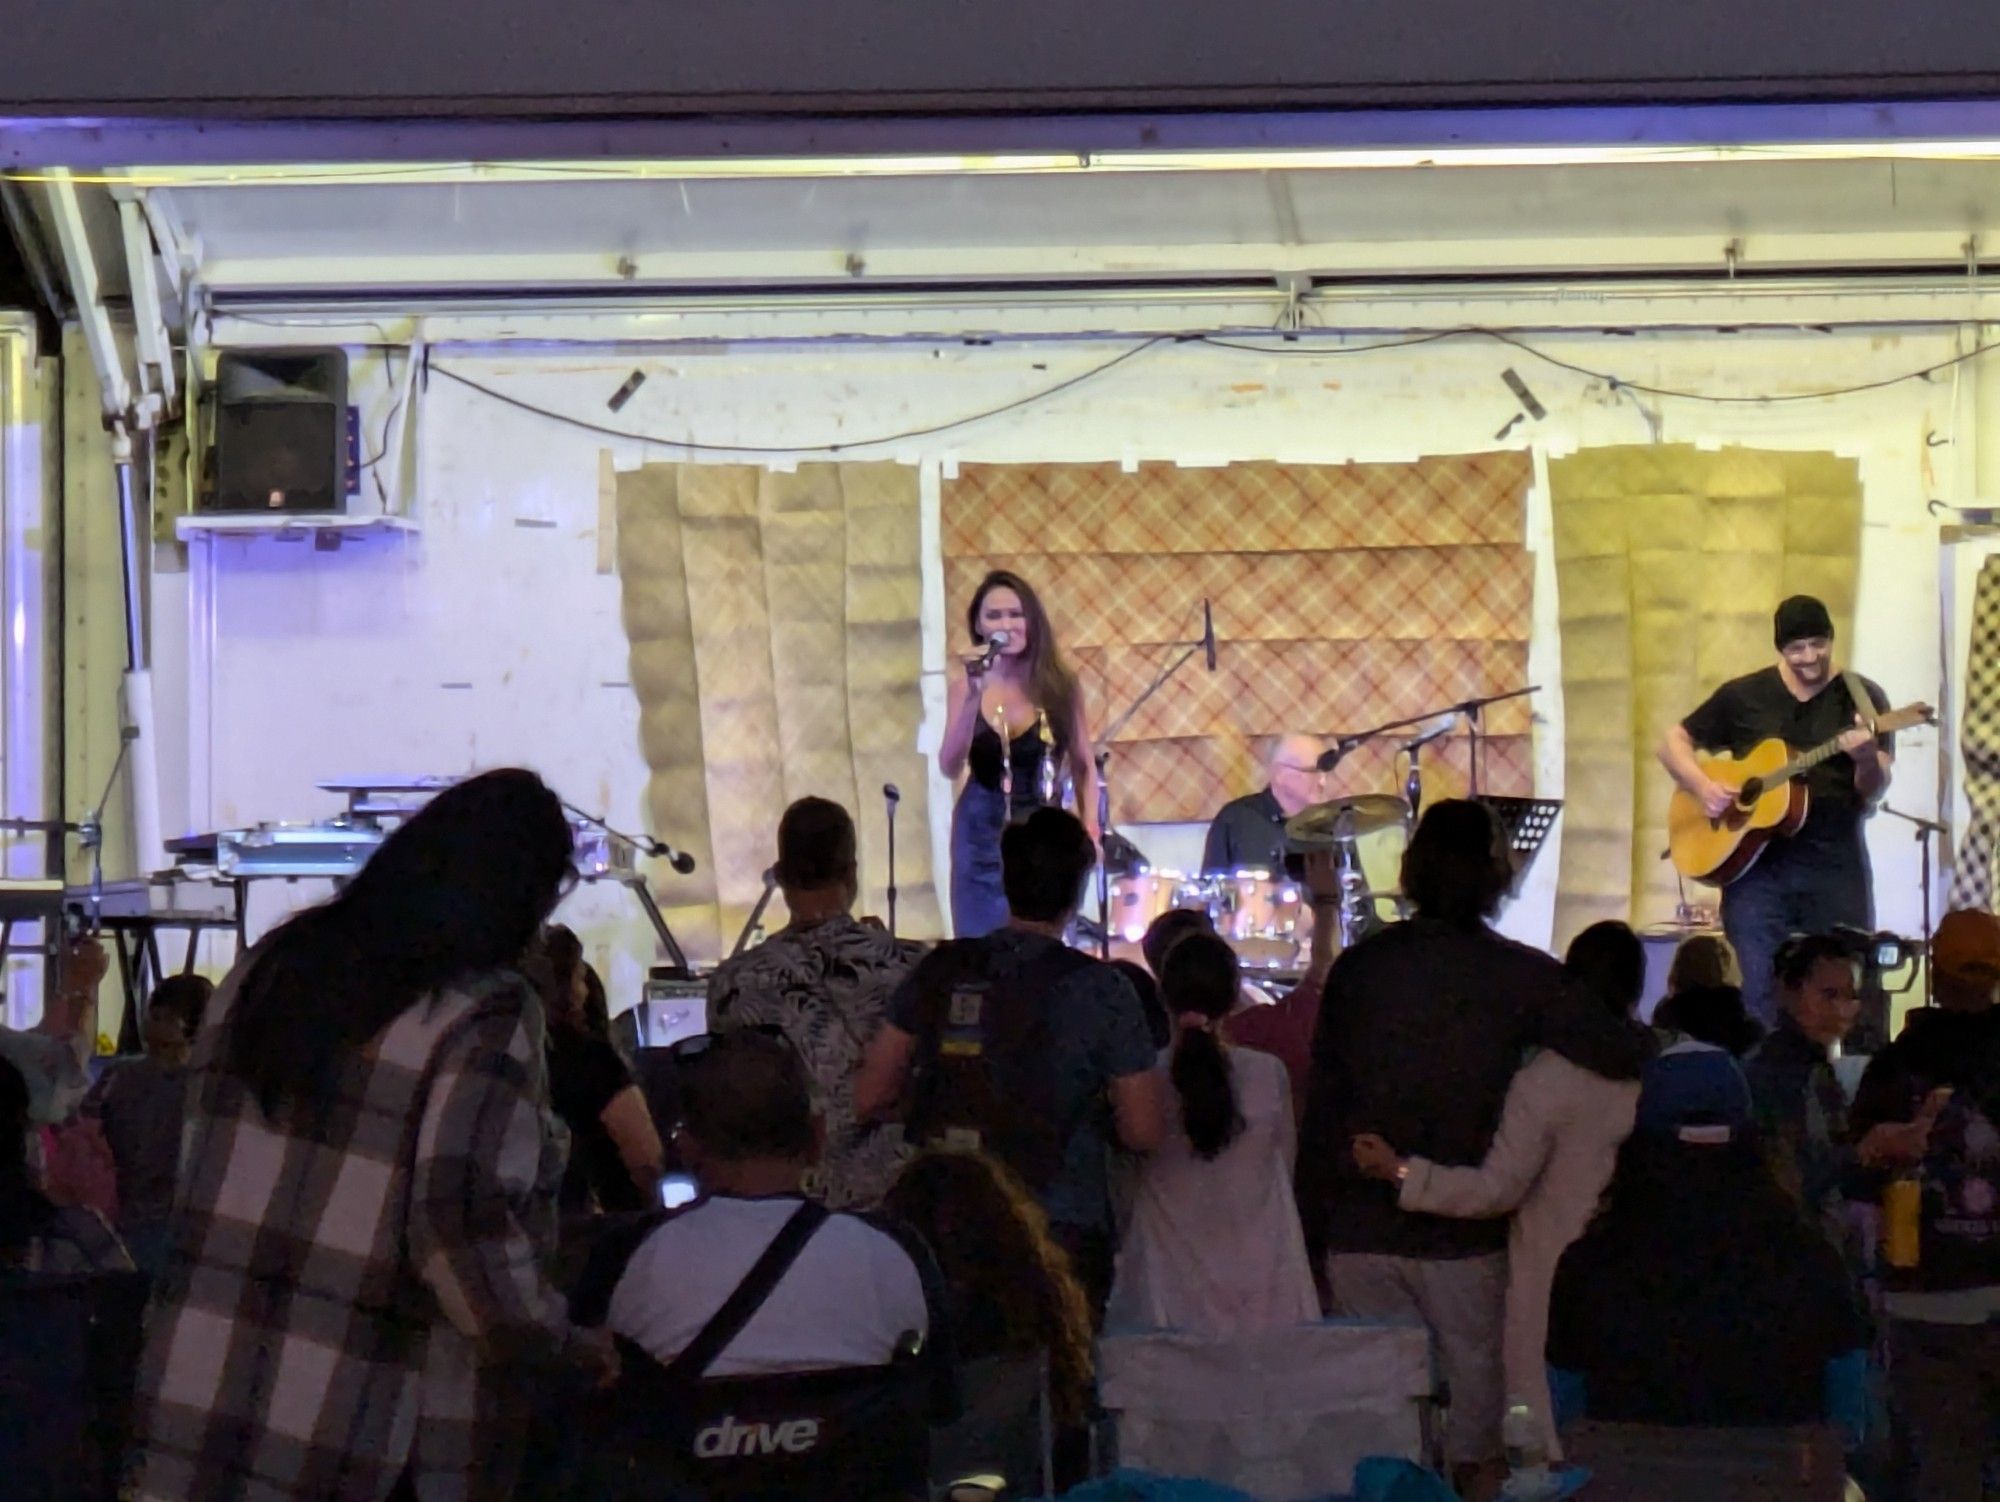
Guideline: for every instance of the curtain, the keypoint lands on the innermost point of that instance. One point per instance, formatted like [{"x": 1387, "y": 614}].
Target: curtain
[
  {"x": 1345, "y": 596},
  {"x": 775, "y": 653},
  {"x": 1669, "y": 563}
]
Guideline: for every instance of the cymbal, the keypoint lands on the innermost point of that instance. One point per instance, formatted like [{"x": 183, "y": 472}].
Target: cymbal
[{"x": 1325, "y": 824}]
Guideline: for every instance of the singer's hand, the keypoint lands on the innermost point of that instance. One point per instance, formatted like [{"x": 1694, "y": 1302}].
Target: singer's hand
[{"x": 975, "y": 671}]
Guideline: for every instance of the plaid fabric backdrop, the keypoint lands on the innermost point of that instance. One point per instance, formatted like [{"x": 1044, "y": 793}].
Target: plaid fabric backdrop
[{"x": 1344, "y": 596}]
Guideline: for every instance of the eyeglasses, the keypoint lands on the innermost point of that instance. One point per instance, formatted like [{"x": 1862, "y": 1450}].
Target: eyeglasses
[{"x": 1292, "y": 766}]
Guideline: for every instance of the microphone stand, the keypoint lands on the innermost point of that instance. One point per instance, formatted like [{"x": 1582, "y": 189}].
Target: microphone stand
[
  {"x": 1476, "y": 736},
  {"x": 677, "y": 960},
  {"x": 891, "y": 797},
  {"x": 1925, "y": 829},
  {"x": 756, "y": 913},
  {"x": 1189, "y": 648}
]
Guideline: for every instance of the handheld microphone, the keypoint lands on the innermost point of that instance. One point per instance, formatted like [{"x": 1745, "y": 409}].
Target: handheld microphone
[
  {"x": 1208, "y": 634},
  {"x": 1438, "y": 726},
  {"x": 995, "y": 645},
  {"x": 893, "y": 793}
]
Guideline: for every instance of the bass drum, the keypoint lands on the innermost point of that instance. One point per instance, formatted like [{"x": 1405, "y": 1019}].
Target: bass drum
[{"x": 1259, "y": 915}]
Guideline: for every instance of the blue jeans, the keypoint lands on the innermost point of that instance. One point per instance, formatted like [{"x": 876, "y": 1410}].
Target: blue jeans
[{"x": 1792, "y": 889}]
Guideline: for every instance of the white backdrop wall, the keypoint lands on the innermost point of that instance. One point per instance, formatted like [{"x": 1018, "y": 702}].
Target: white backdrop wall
[{"x": 491, "y": 634}]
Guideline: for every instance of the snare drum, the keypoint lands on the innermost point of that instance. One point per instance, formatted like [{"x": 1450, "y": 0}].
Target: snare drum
[{"x": 1141, "y": 896}]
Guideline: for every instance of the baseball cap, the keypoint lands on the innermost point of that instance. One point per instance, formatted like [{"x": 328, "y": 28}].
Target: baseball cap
[
  {"x": 1693, "y": 1085},
  {"x": 1967, "y": 946}
]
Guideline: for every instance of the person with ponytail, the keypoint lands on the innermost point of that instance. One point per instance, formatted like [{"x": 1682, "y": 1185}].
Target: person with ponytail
[{"x": 1214, "y": 1246}]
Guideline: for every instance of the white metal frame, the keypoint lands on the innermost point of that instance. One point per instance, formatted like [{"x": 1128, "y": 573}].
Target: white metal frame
[{"x": 29, "y": 693}]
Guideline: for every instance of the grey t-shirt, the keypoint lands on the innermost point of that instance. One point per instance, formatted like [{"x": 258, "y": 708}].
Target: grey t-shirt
[
  {"x": 141, "y": 1104},
  {"x": 1097, "y": 1033}
]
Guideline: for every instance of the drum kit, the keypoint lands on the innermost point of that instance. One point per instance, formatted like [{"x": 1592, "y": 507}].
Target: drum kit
[{"x": 1267, "y": 917}]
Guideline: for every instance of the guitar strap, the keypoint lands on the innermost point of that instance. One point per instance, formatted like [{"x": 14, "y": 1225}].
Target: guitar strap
[{"x": 1864, "y": 702}]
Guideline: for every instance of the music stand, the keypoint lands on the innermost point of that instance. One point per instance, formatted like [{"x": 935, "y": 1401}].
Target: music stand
[{"x": 1527, "y": 822}]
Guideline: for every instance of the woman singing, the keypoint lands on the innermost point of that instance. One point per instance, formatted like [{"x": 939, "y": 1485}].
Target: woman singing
[{"x": 1019, "y": 725}]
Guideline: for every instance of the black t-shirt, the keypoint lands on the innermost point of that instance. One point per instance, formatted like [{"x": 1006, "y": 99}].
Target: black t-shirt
[
  {"x": 1248, "y": 835},
  {"x": 1758, "y": 707},
  {"x": 584, "y": 1074}
]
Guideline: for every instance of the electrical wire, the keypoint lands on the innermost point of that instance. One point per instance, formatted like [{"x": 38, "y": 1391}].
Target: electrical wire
[
  {"x": 1293, "y": 346},
  {"x": 1031, "y": 399},
  {"x": 1615, "y": 382}
]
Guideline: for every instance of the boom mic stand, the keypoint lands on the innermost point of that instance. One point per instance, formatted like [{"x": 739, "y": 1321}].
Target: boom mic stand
[
  {"x": 1188, "y": 649},
  {"x": 680, "y": 860},
  {"x": 1475, "y": 734}
]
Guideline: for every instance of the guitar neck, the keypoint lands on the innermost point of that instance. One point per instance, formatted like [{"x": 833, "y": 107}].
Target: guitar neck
[{"x": 1804, "y": 762}]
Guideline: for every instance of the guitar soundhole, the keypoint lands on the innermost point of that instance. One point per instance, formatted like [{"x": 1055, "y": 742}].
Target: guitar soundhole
[{"x": 1752, "y": 791}]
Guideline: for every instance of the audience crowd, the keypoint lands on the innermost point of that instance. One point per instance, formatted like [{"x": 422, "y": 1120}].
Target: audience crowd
[{"x": 394, "y": 1196}]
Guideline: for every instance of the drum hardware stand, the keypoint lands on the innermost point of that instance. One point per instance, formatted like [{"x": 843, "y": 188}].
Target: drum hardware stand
[
  {"x": 1413, "y": 783},
  {"x": 1925, "y": 829},
  {"x": 681, "y": 861}
]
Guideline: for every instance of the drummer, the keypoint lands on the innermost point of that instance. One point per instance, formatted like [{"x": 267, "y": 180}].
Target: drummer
[{"x": 1248, "y": 834}]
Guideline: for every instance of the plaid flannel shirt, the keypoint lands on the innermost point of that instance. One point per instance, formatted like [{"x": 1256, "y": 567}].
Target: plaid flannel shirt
[{"x": 342, "y": 1306}]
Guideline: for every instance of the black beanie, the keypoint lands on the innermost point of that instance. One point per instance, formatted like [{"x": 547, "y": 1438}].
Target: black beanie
[{"x": 1800, "y": 617}]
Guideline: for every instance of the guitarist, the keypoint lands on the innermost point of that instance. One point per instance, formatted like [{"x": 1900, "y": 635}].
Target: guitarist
[{"x": 1820, "y": 876}]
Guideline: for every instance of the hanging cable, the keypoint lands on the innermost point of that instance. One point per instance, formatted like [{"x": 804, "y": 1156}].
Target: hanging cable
[
  {"x": 949, "y": 425},
  {"x": 1295, "y": 345}
]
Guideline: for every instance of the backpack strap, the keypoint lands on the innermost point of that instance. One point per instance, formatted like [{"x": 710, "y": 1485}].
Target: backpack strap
[{"x": 757, "y": 1286}]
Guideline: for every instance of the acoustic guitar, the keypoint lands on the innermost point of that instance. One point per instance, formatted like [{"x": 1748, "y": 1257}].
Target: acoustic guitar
[{"x": 1771, "y": 802}]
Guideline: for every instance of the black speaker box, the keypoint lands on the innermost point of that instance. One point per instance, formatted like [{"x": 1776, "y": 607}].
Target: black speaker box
[{"x": 281, "y": 431}]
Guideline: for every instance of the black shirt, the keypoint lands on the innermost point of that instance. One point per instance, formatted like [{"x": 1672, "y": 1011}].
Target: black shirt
[
  {"x": 1026, "y": 752},
  {"x": 584, "y": 1074},
  {"x": 1758, "y": 707},
  {"x": 1248, "y": 834}
]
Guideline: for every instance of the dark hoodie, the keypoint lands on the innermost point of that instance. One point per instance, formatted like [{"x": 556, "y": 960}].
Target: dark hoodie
[{"x": 1936, "y": 1048}]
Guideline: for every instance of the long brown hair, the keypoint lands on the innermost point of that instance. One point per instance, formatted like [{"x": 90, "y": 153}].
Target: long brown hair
[
  {"x": 993, "y": 1247},
  {"x": 1050, "y": 682}
]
